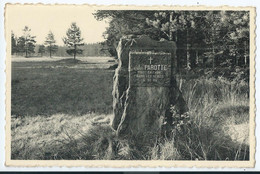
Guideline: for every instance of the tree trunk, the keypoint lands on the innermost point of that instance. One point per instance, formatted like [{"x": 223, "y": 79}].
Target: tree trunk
[
  {"x": 204, "y": 65},
  {"x": 170, "y": 31},
  {"x": 75, "y": 51},
  {"x": 197, "y": 57},
  {"x": 213, "y": 56},
  {"x": 245, "y": 55},
  {"x": 50, "y": 50},
  {"x": 236, "y": 58},
  {"x": 188, "y": 51},
  {"x": 176, "y": 40}
]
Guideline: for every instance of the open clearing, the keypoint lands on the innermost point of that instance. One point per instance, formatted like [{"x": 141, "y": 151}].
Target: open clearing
[
  {"x": 62, "y": 110},
  {"x": 46, "y": 88}
]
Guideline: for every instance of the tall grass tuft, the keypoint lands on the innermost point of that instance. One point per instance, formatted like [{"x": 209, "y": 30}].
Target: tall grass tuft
[
  {"x": 216, "y": 106},
  {"x": 165, "y": 150},
  {"x": 97, "y": 143}
]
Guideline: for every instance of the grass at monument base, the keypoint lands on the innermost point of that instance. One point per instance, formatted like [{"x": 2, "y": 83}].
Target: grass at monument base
[{"x": 63, "y": 110}]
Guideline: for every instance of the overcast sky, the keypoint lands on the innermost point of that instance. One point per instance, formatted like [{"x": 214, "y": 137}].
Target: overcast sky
[{"x": 41, "y": 19}]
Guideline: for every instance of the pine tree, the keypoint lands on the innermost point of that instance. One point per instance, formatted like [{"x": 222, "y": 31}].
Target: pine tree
[
  {"x": 73, "y": 40},
  {"x": 13, "y": 44},
  {"x": 216, "y": 39},
  {"x": 29, "y": 41},
  {"x": 21, "y": 45},
  {"x": 50, "y": 42},
  {"x": 41, "y": 49}
]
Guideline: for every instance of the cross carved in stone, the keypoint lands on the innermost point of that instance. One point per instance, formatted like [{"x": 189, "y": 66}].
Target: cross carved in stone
[{"x": 150, "y": 60}]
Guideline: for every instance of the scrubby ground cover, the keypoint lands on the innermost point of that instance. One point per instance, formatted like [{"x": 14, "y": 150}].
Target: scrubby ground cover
[{"x": 60, "y": 112}]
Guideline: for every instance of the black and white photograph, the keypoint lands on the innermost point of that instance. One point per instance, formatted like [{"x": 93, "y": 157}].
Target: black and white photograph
[{"x": 130, "y": 85}]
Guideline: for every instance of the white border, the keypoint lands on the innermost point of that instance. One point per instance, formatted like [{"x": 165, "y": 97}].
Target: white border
[{"x": 136, "y": 2}]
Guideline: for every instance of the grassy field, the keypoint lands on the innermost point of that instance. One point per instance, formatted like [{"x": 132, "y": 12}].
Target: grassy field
[
  {"x": 63, "y": 110},
  {"x": 46, "y": 88}
]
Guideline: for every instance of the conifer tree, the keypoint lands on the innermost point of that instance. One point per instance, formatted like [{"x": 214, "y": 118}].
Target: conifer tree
[
  {"x": 50, "y": 42},
  {"x": 13, "y": 44},
  {"x": 29, "y": 41},
  {"x": 41, "y": 49},
  {"x": 73, "y": 40}
]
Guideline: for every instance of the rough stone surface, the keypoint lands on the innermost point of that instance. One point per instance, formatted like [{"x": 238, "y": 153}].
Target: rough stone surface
[{"x": 141, "y": 103}]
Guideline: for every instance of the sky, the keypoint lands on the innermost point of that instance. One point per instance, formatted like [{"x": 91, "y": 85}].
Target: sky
[{"x": 41, "y": 19}]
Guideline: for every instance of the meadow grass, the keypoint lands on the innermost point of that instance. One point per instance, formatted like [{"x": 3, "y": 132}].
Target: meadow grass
[
  {"x": 47, "y": 88},
  {"x": 65, "y": 113},
  {"x": 219, "y": 129}
]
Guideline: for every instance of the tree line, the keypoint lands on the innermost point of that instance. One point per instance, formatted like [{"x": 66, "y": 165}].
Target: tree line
[
  {"x": 204, "y": 39},
  {"x": 89, "y": 49},
  {"x": 25, "y": 45}
]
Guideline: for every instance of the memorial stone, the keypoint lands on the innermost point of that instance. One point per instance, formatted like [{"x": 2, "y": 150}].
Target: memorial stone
[{"x": 144, "y": 87}]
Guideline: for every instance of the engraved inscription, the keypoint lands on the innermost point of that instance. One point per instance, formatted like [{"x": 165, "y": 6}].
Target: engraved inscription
[{"x": 149, "y": 69}]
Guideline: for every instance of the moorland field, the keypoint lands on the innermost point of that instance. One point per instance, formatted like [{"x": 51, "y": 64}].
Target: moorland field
[{"x": 62, "y": 109}]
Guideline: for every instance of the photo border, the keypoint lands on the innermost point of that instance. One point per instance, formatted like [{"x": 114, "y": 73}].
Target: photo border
[{"x": 134, "y": 163}]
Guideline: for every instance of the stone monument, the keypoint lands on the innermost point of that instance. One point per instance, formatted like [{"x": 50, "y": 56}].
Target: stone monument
[{"x": 145, "y": 87}]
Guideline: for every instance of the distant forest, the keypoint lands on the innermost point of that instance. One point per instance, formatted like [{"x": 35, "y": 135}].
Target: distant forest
[
  {"x": 94, "y": 49},
  {"x": 74, "y": 45}
]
